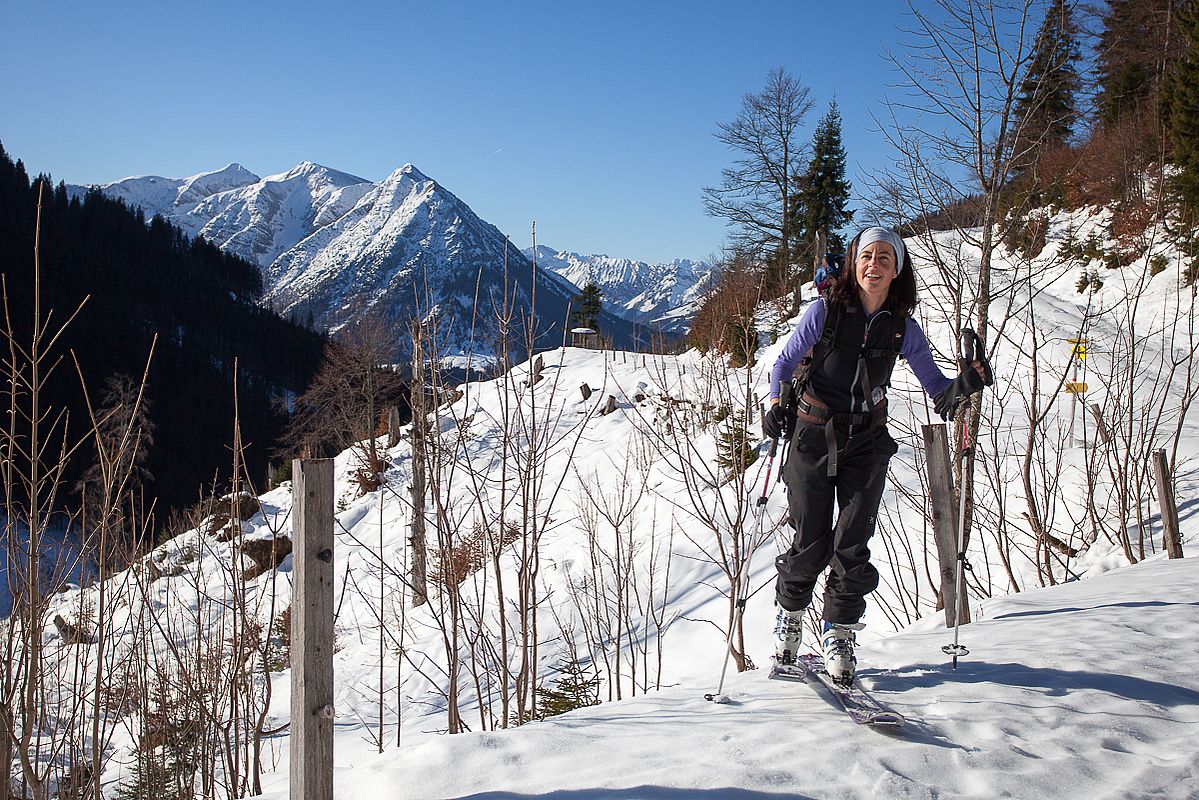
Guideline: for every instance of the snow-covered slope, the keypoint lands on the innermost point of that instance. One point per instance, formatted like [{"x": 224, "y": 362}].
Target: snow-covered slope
[
  {"x": 665, "y": 296},
  {"x": 1089, "y": 690},
  {"x": 1081, "y": 690},
  {"x": 342, "y": 249}
]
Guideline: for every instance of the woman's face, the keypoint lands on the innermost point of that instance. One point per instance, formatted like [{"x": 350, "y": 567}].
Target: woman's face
[{"x": 876, "y": 268}]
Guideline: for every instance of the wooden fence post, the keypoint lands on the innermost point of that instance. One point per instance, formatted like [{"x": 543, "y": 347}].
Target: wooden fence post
[
  {"x": 1165, "y": 497},
  {"x": 1100, "y": 425},
  {"x": 393, "y": 426},
  {"x": 945, "y": 518},
  {"x": 312, "y": 630}
]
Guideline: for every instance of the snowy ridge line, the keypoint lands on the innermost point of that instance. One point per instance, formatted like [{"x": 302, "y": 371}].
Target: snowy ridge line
[
  {"x": 336, "y": 249},
  {"x": 665, "y": 295}
]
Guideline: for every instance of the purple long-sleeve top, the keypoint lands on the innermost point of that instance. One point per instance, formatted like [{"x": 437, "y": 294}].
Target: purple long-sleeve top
[{"x": 915, "y": 351}]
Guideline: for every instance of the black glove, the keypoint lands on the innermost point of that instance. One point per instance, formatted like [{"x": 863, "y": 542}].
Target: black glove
[
  {"x": 774, "y": 421},
  {"x": 965, "y": 384}
]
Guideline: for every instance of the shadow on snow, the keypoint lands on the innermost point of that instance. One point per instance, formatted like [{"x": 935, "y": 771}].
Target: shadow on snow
[
  {"x": 641, "y": 793},
  {"x": 1055, "y": 682}
]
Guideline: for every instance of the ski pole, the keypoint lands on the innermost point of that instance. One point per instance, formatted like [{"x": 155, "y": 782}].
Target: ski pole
[
  {"x": 968, "y": 341},
  {"x": 743, "y": 577}
]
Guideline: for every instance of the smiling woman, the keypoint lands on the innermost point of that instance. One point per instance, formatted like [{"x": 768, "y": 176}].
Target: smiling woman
[
  {"x": 876, "y": 266},
  {"x": 840, "y": 446}
]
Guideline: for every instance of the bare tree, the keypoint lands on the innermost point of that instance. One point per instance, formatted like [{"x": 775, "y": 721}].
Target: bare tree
[
  {"x": 123, "y": 431},
  {"x": 716, "y": 507},
  {"x": 49, "y": 674},
  {"x": 954, "y": 133},
  {"x": 755, "y": 195},
  {"x": 341, "y": 408},
  {"x": 420, "y": 458}
]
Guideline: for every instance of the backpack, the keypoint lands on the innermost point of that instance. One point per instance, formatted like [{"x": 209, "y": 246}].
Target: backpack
[
  {"x": 825, "y": 345},
  {"x": 828, "y": 271},
  {"x": 827, "y": 342}
]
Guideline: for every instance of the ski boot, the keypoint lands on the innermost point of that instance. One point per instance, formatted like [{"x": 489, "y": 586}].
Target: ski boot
[
  {"x": 838, "y": 641},
  {"x": 788, "y": 628}
]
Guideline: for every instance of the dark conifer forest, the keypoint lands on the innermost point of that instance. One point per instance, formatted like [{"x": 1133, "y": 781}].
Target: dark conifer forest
[{"x": 140, "y": 280}]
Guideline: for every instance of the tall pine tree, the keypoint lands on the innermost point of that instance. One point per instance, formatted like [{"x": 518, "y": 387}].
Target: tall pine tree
[
  {"x": 1047, "y": 105},
  {"x": 1139, "y": 40},
  {"x": 587, "y": 305},
  {"x": 1182, "y": 108},
  {"x": 823, "y": 199}
]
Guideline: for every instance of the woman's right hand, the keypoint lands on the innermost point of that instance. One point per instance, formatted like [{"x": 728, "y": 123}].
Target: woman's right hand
[{"x": 774, "y": 421}]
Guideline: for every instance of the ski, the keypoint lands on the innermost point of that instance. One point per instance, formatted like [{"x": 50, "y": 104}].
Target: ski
[{"x": 857, "y": 702}]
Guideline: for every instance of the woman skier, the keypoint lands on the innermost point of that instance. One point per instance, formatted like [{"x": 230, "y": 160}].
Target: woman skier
[{"x": 840, "y": 445}]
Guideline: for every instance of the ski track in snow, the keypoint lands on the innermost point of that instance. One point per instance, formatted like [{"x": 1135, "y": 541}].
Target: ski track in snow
[{"x": 1084, "y": 690}]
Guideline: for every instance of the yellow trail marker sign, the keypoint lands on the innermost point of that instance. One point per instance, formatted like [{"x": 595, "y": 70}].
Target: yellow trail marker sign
[{"x": 1075, "y": 388}]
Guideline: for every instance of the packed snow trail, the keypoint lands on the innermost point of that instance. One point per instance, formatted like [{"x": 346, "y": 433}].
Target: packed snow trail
[{"x": 1085, "y": 690}]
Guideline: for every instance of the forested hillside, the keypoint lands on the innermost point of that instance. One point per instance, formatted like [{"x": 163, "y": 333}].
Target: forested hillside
[{"x": 139, "y": 286}]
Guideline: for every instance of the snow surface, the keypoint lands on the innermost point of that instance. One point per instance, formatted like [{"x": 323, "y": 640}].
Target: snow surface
[{"x": 1086, "y": 689}]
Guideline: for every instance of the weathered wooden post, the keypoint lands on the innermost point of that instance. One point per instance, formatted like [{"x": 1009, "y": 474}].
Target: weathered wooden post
[
  {"x": 945, "y": 518},
  {"x": 1100, "y": 425},
  {"x": 1165, "y": 499},
  {"x": 393, "y": 426},
  {"x": 312, "y": 630}
]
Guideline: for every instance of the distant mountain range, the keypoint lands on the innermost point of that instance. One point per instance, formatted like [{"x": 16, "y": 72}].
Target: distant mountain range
[
  {"x": 664, "y": 296},
  {"x": 335, "y": 248}
]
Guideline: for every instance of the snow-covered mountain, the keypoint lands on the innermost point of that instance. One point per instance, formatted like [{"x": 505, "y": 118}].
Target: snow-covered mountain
[
  {"x": 664, "y": 296},
  {"x": 341, "y": 248}
]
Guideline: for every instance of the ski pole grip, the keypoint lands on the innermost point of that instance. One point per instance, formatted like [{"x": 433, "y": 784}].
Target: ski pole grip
[
  {"x": 968, "y": 340},
  {"x": 787, "y": 403}
]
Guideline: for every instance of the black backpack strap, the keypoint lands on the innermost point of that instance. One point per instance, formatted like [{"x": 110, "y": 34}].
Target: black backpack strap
[
  {"x": 824, "y": 345},
  {"x": 894, "y": 348}
]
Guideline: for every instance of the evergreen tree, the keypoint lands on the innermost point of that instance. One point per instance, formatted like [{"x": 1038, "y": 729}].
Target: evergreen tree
[
  {"x": 1182, "y": 108},
  {"x": 735, "y": 452},
  {"x": 825, "y": 190},
  {"x": 1047, "y": 105},
  {"x": 145, "y": 279},
  {"x": 1139, "y": 41},
  {"x": 574, "y": 688},
  {"x": 153, "y": 777},
  {"x": 587, "y": 306}
]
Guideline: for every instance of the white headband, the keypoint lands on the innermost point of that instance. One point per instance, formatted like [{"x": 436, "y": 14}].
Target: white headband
[{"x": 872, "y": 235}]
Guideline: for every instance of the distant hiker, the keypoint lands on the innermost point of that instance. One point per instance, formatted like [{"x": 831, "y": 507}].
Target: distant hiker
[
  {"x": 840, "y": 444},
  {"x": 828, "y": 272}
]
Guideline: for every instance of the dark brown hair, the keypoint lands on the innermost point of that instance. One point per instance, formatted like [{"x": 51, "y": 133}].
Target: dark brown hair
[{"x": 901, "y": 297}]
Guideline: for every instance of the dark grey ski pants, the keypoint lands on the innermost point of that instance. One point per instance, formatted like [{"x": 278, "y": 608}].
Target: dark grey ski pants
[{"x": 857, "y": 490}]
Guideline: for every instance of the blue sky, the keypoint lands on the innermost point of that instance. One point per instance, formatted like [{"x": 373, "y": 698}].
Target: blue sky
[{"x": 595, "y": 119}]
